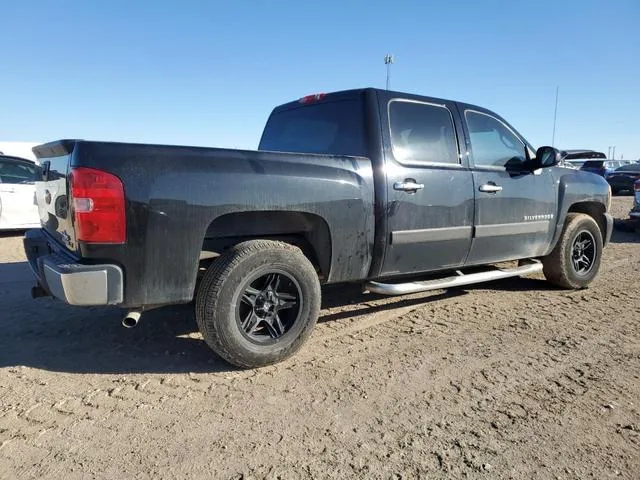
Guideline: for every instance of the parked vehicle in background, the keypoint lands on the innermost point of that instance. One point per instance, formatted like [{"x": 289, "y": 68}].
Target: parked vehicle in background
[
  {"x": 18, "y": 208},
  {"x": 623, "y": 178},
  {"x": 634, "y": 215},
  {"x": 576, "y": 158},
  {"x": 577, "y": 164},
  {"x": 588, "y": 160},
  {"x": 600, "y": 167},
  {"x": 367, "y": 186}
]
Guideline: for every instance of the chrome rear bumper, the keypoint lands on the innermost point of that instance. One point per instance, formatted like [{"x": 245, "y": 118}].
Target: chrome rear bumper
[{"x": 67, "y": 279}]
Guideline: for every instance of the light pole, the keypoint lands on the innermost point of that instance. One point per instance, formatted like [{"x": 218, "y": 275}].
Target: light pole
[
  {"x": 388, "y": 60},
  {"x": 613, "y": 153}
]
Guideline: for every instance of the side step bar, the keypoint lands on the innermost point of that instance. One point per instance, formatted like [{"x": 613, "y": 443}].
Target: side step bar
[{"x": 524, "y": 268}]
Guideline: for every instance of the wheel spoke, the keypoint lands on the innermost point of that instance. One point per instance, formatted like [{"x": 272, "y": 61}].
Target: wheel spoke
[
  {"x": 250, "y": 323},
  {"x": 249, "y": 296},
  {"x": 275, "y": 326},
  {"x": 284, "y": 304},
  {"x": 585, "y": 260},
  {"x": 273, "y": 281},
  {"x": 576, "y": 263}
]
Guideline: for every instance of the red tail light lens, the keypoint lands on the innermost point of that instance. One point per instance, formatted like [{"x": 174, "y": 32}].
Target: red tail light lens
[
  {"x": 313, "y": 98},
  {"x": 98, "y": 206}
]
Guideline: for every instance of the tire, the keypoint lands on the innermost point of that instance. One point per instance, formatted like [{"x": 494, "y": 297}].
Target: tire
[
  {"x": 559, "y": 267},
  {"x": 245, "y": 308}
]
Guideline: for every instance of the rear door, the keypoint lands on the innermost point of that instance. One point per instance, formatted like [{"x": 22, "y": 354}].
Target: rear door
[
  {"x": 17, "y": 194},
  {"x": 514, "y": 207},
  {"x": 429, "y": 189}
]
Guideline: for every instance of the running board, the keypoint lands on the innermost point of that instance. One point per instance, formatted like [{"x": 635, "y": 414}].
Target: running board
[{"x": 526, "y": 267}]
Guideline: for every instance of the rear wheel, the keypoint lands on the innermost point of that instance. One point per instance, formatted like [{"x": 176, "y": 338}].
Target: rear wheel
[
  {"x": 575, "y": 260},
  {"x": 258, "y": 303}
]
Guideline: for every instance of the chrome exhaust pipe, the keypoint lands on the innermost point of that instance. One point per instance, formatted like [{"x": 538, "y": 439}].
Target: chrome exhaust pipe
[{"x": 131, "y": 319}]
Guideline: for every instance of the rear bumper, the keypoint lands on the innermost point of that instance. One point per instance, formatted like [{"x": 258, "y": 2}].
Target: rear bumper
[{"x": 66, "y": 279}]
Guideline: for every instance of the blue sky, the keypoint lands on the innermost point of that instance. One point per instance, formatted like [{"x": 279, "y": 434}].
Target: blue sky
[{"x": 209, "y": 72}]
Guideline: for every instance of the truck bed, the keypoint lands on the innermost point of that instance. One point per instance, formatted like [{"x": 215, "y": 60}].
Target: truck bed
[{"x": 181, "y": 200}]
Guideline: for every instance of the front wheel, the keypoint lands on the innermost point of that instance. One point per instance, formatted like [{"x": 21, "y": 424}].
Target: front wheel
[
  {"x": 258, "y": 303},
  {"x": 575, "y": 260}
]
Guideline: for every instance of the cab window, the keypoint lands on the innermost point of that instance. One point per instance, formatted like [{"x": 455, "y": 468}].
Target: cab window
[{"x": 493, "y": 144}]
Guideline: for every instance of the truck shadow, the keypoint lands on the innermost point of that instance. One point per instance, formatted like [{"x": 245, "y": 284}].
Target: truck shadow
[{"x": 47, "y": 334}]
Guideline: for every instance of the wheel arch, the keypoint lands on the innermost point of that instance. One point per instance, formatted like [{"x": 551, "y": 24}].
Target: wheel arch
[
  {"x": 594, "y": 209},
  {"x": 308, "y": 231}
]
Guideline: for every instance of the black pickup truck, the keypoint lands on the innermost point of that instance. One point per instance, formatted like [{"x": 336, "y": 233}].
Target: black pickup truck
[{"x": 401, "y": 193}]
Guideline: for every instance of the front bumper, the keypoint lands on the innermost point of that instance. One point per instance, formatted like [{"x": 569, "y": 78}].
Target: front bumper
[
  {"x": 67, "y": 279},
  {"x": 607, "y": 236}
]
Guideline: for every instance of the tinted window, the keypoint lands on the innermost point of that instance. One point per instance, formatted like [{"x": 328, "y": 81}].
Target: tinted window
[
  {"x": 634, "y": 167},
  {"x": 422, "y": 133},
  {"x": 593, "y": 164},
  {"x": 492, "y": 143},
  {"x": 16, "y": 172},
  {"x": 327, "y": 128}
]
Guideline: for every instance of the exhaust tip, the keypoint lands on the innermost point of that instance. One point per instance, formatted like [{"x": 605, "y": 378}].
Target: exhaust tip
[{"x": 131, "y": 319}]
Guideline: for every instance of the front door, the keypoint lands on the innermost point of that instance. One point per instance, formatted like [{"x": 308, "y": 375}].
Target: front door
[
  {"x": 514, "y": 207},
  {"x": 429, "y": 189}
]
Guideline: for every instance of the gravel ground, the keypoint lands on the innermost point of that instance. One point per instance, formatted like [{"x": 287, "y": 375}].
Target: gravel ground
[{"x": 513, "y": 379}]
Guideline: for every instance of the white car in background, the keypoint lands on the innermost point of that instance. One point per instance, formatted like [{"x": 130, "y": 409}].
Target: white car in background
[{"x": 18, "y": 209}]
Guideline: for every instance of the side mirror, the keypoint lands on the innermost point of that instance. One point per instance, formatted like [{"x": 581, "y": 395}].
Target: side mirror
[{"x": 546, "y": 157}]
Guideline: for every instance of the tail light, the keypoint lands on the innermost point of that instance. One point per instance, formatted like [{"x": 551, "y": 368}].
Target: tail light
[
  {"x": 98, "y": 206},
  {"x": 313, "y": 98},
  {"x": 636, "y": 186}
]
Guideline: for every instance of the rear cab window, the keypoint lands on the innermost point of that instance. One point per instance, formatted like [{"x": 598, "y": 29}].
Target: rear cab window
[{"x": 323, "y": 127}]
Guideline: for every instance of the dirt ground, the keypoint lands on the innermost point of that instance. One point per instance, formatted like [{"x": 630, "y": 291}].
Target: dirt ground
[{"x": 513, "y": 379}]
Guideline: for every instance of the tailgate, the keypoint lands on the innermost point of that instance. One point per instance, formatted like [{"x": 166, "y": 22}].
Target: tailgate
[{"x": 52, "y": 191}]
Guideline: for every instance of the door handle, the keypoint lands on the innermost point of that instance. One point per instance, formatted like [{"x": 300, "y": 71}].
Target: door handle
[
  {"x": 490, "y": 188},
  {"x": 408, "y": 186}
]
